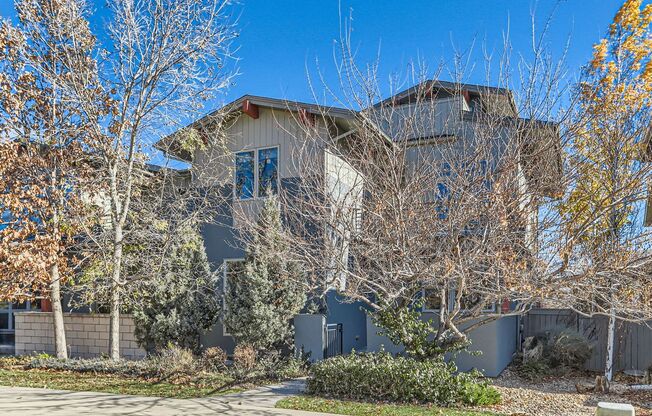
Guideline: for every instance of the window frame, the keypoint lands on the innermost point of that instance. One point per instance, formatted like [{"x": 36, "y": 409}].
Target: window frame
[
  {"x": 255, "y": 193},
  {"x": 491, "y": 309},
  {"x": 424, "y": 308},
  {"x": 235, "y": 175},
  {"x": 451, "y": 297},
  {"x": 224, "y": 286}
]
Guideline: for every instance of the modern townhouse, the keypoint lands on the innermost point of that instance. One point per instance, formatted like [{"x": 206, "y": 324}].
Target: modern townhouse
[{"x": 263, "y": 151}]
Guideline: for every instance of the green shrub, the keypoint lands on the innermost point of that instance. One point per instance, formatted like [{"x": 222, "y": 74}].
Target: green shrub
[
  {"x": 276, "y": 367},
  {"x": 382, "y": 377},
  {"x": 405, "y": 326},
  {"x": 181, "y": 302},
  {"x": 480, "y": 394}
]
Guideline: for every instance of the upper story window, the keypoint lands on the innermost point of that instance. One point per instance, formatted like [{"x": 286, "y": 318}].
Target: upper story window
[
  {"x": 244, "y": 175},
  {"x": 443, "y": 192},
  {"x": 268, "y": 171},
  {"x": 256, "y": 173}
]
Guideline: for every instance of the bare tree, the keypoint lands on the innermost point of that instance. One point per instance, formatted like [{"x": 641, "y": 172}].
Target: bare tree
[
  {"x": 604, "y": 231},
  {"x": 448, "y": 194},
  {"x": 43, "y": 137},
  {"x": 166, "y": 58}
]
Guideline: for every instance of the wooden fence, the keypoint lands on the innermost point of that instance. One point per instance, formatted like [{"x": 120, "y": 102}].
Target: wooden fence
[{"x": 633, "y": 341}]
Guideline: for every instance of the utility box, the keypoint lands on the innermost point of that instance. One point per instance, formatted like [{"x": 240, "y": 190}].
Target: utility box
[{"x": 614, "y": 409}]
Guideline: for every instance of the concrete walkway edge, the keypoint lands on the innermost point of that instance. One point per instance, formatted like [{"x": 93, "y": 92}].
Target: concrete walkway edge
[{"x": 34, "y": 401}]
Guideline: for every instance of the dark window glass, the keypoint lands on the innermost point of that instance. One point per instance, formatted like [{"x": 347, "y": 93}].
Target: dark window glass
[
  {"x": 431, "y": 299},
  {"x": 268, "y": 171},
  {"x": 443, "y": 192},
  {"x": 17, "y": 305},
  {"x": 469, "y": 301},
  {"x": 5, "y": 217},
  {"x": 4, "y": 320},
  {"x": 244, "y": 175}
]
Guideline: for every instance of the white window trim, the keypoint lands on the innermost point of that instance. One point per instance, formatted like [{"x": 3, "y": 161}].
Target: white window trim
[
  {"x": 224, "y": 270},
  {"x": 255, "y": 190}
]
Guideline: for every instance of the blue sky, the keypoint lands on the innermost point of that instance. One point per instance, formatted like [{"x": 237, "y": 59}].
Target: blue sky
[{"x": 280, "y": 39}]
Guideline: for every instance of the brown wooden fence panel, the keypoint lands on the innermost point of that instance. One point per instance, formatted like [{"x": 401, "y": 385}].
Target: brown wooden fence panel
[{"x": 633, "y": 341}]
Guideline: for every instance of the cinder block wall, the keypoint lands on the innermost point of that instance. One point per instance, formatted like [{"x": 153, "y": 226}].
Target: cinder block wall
[{"x": 87, "y": 335}]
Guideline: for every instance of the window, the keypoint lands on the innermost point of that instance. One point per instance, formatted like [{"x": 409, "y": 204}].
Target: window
[
  {"x": 443, "y": 192},
  {"x": 5, "y": 218},
  {"x": 469, "y": 301},
  {"x": 232, "y": 269},
  {"x": 431, "y": 300},
  {"x": 478, "y": 171},
  {"x": 256, "y": 173},
  {"x": 267, "y": 171},
  {"x": 244, "y": 175}
]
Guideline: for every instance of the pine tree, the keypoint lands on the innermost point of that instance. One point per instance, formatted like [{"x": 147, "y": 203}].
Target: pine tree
[
  {"x": 182, "y": 302},
  {"x": 262, "y": 300}
]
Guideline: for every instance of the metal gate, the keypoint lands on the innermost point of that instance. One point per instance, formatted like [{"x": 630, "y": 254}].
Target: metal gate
[{"x": 333, "y": 340}]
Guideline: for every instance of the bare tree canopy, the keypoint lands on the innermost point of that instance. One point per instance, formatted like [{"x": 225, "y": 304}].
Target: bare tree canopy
[{"x": 449, "y": 195}]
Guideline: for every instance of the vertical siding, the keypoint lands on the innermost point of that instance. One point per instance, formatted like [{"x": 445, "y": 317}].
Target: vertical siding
[{"x": 271, "y": 128}]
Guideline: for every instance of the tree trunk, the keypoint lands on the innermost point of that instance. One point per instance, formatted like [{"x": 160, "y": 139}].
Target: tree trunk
[
  {"x": 611, "y": 335},
  {"x": 57, "y": 313},
  {"x": 114, "y": 323}
]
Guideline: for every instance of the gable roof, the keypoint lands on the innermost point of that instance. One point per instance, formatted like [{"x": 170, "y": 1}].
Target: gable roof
[
  {"x": 450, "y": 87},
  {"x": 171, "y": 148}
]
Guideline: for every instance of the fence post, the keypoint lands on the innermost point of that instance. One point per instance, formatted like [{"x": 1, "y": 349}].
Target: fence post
[{"x": 309, "y": 335}]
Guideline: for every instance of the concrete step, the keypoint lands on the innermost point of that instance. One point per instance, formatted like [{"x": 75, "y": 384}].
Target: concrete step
[{"x": 614, "y": 409}]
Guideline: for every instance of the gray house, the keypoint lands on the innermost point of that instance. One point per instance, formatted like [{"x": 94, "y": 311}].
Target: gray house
[{"x": 262, "y": 150}]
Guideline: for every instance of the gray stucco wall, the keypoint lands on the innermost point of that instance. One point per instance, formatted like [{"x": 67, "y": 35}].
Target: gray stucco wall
[
  {"x": 353, "y": 319},
  {"x": 309, "y": 335},
  {"x": 496, "y": 340},
  {"x": 222, "y": 243}
]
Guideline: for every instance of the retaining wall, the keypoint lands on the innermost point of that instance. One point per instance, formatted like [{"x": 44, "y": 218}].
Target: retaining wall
[{"x": 87, "y": 335}]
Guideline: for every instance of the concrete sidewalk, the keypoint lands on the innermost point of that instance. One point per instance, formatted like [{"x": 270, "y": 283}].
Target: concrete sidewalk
[
  {"x": 31, "y": 401},
  {"x": 266, "y": 396}
]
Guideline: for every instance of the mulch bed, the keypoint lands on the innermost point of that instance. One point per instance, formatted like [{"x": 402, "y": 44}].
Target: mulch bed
[{"x": 557, "y": 395}]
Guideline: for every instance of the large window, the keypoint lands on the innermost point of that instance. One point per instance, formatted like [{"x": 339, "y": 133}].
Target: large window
[
  {"x": 7, "y": 320},
  {"x": 256, "y": 173}
]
